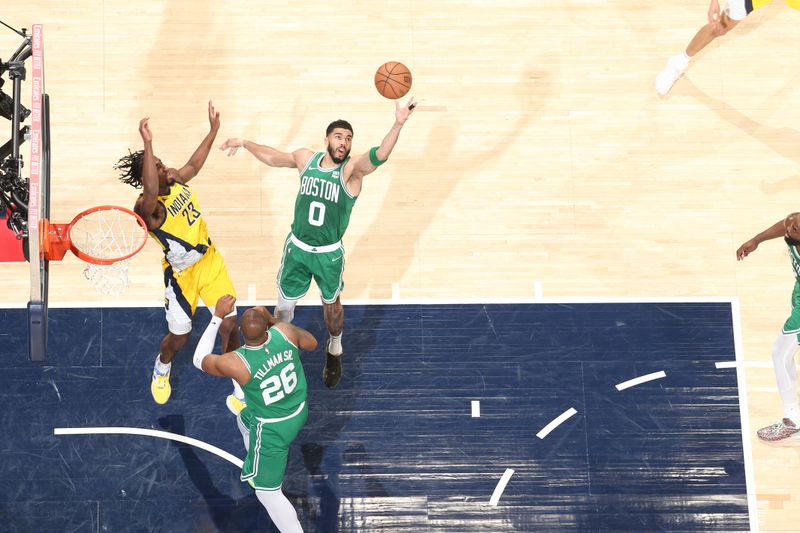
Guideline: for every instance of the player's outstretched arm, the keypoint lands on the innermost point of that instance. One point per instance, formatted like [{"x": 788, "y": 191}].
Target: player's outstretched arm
[
  {"x": 198, "y": 159},
  {"x": 271, "y": 157},
  {"x": 225, "y": 365},
  {"x": 147, "y": 204},
  {"x": 368, "y": 162},
  {"x": 773, "y": 232}
]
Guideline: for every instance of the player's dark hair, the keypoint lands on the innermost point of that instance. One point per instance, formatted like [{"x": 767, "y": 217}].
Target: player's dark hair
[
  {"x": 338, "y": 124},
  {"x": 130, "y": 168}
]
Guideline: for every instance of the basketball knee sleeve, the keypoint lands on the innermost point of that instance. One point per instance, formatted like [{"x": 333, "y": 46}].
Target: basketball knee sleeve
[
  {"x": 280, "y": 510},
  {"x": 284, "y": 309}
]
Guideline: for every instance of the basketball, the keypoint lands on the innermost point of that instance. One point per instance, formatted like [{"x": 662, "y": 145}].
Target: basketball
[{"x": 393, "y": 80}]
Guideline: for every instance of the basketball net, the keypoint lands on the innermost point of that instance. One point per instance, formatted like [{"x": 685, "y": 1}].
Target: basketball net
[
  {"x": 106, "y": 237},
  {"x": 108, "y": 280}
]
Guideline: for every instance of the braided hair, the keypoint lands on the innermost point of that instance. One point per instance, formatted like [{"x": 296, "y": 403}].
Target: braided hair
[{"x": 130, "y": 168}]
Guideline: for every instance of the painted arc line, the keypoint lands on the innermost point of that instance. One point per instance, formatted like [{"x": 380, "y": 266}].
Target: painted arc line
[
  {"x": 151, "y": 433},
  {"x": 556, "y": 422},
  {"x": 501, "y": 486},
  {"x": 743, "y": 364},
  {"x": 641, "y": 379},
  {"x": 476, "y": 409}
]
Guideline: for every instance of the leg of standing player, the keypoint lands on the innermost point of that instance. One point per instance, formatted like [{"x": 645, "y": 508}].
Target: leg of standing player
[
  {"x": 334, "y": 319},
  {"x": 783, "y": 353},
  {"x": 719, "y": 24},
  {"x": 278, "y": 506}
]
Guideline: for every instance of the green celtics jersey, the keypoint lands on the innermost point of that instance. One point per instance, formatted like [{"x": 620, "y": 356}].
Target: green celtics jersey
[
  {"x": 323, "y": 205},
  {"x": 795, "y": 257},
  {"x": 277, "y": 383}
]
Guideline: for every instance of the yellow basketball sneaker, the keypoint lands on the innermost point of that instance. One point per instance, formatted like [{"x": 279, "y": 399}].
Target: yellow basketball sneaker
[
  {"x": 159, "y": 387},
  {"x": 235, "y": 405}
]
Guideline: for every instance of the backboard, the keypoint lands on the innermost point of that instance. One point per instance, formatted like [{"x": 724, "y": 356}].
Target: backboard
[{"x": 38, "y": 201}]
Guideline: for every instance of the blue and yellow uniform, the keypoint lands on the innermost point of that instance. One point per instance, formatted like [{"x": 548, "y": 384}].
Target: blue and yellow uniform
[
  {"x": 193, "y": 268},
  {"x": 739, "y": 9}
]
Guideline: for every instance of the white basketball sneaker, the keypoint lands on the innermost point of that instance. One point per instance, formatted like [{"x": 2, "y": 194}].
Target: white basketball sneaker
[{"x": 667, "y": 77}]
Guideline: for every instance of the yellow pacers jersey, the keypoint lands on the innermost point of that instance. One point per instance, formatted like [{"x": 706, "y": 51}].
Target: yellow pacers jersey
[
  {"x": 183, "y": 234},
  {"x": 755, "y": 4}
]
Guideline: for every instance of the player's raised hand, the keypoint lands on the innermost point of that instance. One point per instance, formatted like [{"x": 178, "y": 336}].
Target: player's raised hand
[
  {"x": 401, "y": 113},
  {"x": 144, "y": 130},
  {"x": 232, "y": 145},
  {"x": 224, "y": 306},
  {"x": 213, "y": 116}
]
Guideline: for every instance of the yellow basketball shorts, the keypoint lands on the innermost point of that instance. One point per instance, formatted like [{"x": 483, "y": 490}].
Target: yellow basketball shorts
[
  {"x": 739, "y": 9},
  {"x": 205, "y": 280}
]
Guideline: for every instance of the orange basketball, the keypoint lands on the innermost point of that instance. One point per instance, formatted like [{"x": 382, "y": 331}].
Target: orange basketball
[{"x": 393, "y": 80}]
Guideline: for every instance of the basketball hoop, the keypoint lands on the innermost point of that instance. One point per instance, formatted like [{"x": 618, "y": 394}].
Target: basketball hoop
[{"x": 106, "y": 237}]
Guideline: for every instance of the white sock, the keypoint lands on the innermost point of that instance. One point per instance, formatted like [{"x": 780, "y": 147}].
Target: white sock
[
  {"x": 162, "y": 368},
  {"x": 685, "y": 56},
  {"x": 335, "y": 344},
  {"x": 280, "y": 510},
  {"x": 237, "y": 390}
]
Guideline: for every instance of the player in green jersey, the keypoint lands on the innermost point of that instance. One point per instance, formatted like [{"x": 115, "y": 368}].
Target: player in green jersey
[
  {"x": 785, "y": 347},
  {"x": 269, "y": 369},
  {"x": 330, "y": 182}
]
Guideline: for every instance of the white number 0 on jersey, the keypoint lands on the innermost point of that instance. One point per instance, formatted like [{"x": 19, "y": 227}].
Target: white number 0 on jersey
[{"x": 316, "y": 213}]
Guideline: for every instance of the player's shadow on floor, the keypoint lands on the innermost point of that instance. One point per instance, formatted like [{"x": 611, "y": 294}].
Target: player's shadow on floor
[
  {"x": 226, "y": 513},
  {"x": 781, "y": 140}
]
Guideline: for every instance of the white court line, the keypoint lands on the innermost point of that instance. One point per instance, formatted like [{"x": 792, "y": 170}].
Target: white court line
[
  {"x": 151, "y": 433},
  {"x": 641, "y": 379},
  {"x": 395, "y": 292},
  {"x": 538, "y": 294},
  {"x": 501, "y": 486},
  {"x": 476, "y": 409},
  {"x": 251, "y": 292},
  {"x": 556, "y": 422},
  {"x": 743, "y": 364},
  {"x": 411, "y": 301},
  {"x": 741, "y": 382}
]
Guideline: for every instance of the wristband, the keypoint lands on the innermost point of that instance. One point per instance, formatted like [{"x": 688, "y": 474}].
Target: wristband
[{"x": 373, "y": 157}]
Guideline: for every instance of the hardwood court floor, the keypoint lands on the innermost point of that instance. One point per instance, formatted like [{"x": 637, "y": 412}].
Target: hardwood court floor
[{"x": 540, "y": 151}]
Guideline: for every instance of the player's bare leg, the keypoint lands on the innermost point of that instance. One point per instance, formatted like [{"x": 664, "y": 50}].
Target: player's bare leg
[
  {"x": 677, "y": 64},
  {"x": 170, "y": 345},
  {"x": 228, "y": 334},
  {"x": 229, "y": 337},
  {"x": 334, "y": 319},
  {"x": 709, "y": 32}
]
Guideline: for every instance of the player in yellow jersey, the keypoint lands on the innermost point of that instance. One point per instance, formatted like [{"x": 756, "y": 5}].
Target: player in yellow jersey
[
  {"x": 720, "y": 22},
  {"x": 193, "y": 268}
]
